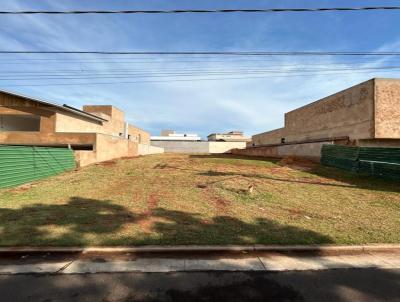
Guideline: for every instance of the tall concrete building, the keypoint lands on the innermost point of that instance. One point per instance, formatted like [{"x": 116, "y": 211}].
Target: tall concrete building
[{"x": 366, "y": 115}]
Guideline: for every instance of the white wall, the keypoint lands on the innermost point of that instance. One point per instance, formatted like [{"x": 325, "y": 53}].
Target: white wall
[
  {"x": 224, "y": 147},
  {"x": 182, "y": 147},
  {"x": 147, "y": 149},
  {"x": 198, "y": 147}
]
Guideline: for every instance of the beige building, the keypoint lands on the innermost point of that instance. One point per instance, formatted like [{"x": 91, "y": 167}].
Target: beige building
[
  {"x": 232, "y": 136},
  {"x": 367, "y": 114},
  {"x": 96, "y": 133}
]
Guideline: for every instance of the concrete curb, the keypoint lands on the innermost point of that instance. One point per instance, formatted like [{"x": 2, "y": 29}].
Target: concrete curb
[{"x": 297, "y": 249}]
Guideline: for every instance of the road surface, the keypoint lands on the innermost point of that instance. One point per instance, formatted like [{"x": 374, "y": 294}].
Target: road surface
[{"x": 350, "y": 284}]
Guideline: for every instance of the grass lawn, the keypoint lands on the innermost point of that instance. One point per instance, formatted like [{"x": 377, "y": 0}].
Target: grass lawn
[{"x": 201, "y": 199}]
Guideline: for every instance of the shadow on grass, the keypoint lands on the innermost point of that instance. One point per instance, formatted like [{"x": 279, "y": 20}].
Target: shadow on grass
[
  {"x": 348, "y": 179},
  {"x": 98, "y": 222}
]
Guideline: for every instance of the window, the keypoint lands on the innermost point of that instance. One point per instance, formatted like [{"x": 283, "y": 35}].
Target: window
[{"x": 14, "y": 122}]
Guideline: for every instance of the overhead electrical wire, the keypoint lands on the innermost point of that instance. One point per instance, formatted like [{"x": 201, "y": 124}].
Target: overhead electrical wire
[
  {"x": 216, "y": 53},
  {"x": 216, "y": 72},
  {"x": 183, "y": 80},
  {"x": 195, "y": 59},
  {"x": 186, "y": 73},
  {"x": 201, "y": 11},
  {"x": 169, "y": 73}
]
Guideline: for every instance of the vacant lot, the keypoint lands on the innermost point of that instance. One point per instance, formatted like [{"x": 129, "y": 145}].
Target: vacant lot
[{"x": 201, "y": 199}]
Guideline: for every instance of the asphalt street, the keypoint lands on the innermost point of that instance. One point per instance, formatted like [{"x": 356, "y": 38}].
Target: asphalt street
[{"x": 364, "y": 285}]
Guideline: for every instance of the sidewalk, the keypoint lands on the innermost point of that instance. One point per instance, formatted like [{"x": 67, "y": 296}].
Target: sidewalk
[{"x": 268, "y": 262}]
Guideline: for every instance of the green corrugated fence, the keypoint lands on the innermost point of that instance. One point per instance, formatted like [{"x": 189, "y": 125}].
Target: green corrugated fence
[
  {"x": 381, "y": 162},
  {"x": 22, "y": 164}
]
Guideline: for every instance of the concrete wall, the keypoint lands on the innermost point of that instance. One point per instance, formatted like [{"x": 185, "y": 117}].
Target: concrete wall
[
  {"x": 224, "y": 147},
  {"x": 260, "y": 152},
  {"x": 198, "y": 147},
  {"x": 310, "y": 150},
  {"x": 145, "y": 149},
  {"x": 68, "y": 122},
  {"x": 182, "y": 147},
  {"x": 368, "y": 113},
  {"x": 269, "y": 137},
  {"x": 114, "y": 125},
  {"x": 370, "y": 110},
  {"x": 116, "y": 118},
  {"x": 346, "y": 113},
  {"x": 47, "y": 139},
  {"x": 387, "y": 108},
  {"x": 106, "y": 147},
  {"x": 382, "y": 143},
  {"x": 139, "y": 135}
]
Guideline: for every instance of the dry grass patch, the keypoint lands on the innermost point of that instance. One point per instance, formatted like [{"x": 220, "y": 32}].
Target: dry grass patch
[{"x": 201, "y": 199}]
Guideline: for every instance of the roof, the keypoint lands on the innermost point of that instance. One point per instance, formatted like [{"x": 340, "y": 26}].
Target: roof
[
  {"x": 63, "y": 107},
  {"x": 228, "y": 133}
]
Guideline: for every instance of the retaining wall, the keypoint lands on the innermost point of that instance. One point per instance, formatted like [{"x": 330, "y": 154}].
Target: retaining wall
[{"x": 307, "y": 150}]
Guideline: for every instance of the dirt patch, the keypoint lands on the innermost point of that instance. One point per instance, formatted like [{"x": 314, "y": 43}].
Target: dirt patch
[
  {"x": 296, "y": 161},
  {"x": 152, "y": 203},
  {"x": 220, "y": 204},
  {"x": 129, "y": 157},
  {"x": 107, "y": 163},
  {"x": 148, "y": 220},
  {"x": 23, "y": 188}
]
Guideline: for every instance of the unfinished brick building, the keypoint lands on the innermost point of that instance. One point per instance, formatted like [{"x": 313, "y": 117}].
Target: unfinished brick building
[
  {"x": 96, "y": 133},
  {"x": 365, "y": 115}
]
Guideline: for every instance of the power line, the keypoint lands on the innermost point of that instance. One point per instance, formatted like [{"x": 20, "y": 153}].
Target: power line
[
  {"x": 180, "y": 73},
  {"x": 202, "y": 11},
  {"x": 215, "y": 53},
  {"x": 185, "y": 80}
]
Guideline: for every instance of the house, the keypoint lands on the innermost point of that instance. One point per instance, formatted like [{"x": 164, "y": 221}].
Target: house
[
  {"x": 171, "y": 135},
  {"x": 232, "y": 136},
  {"x": 365, "y": 115},
  {"x": 95, "y": 133}
]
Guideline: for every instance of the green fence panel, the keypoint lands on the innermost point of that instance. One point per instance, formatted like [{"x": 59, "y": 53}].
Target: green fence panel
[
  {"x": 22, "y": 164},
  {"x": 390, "y": 155},
  {"x": 380, "y": 169},
  {"x": 380, "y": 162},
  {"x": 340, "y": 156}
]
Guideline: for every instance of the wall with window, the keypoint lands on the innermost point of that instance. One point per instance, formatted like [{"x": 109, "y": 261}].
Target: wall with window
[{"x": 9, "y": 122}]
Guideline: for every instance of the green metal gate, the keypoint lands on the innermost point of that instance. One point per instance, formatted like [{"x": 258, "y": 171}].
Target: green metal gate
[
  {"x": 22, "y": 164},
  {"x": 381, "y": 162}
]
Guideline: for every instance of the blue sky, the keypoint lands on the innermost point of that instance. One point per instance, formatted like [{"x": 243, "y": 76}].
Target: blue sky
[{"x": 253, "y": 105}]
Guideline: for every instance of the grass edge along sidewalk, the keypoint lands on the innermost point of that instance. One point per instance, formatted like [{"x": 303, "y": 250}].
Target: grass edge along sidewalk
[{"x": 196, "y": 249}]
